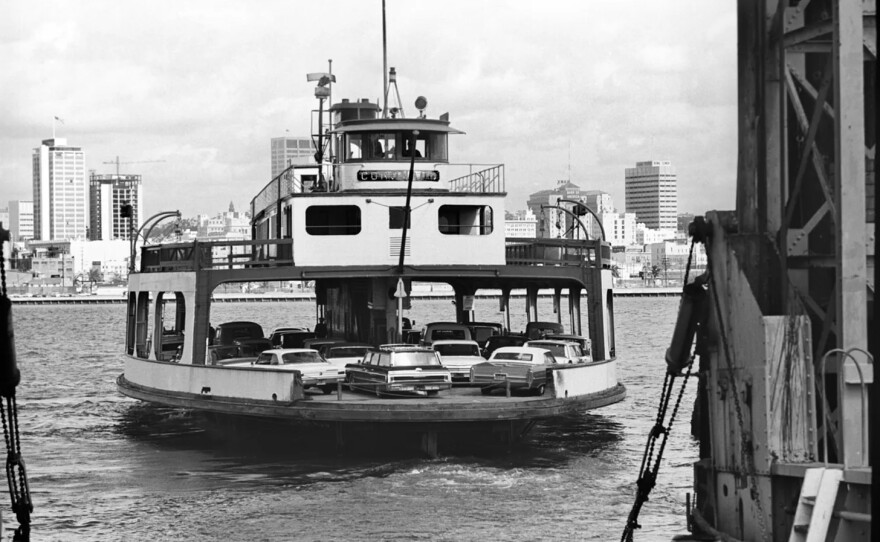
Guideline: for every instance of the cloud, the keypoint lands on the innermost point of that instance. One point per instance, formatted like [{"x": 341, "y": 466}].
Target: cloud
[{"x": 553, "y": 90}]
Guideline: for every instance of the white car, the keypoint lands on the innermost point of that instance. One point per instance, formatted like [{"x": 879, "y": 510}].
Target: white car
[
  {"x": 341, "y": 354},
  {"x": 316, "y": 371},
  {"x": 563, "y": 351},
  {"x": 458, "y": 357}
]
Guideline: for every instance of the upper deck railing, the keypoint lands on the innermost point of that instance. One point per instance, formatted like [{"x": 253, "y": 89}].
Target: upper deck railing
[
  {"x": 216, "y": 255},
  {"x": 302, "y": 179}
]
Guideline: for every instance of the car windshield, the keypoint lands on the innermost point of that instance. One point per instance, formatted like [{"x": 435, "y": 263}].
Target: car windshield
[
  {"x": 347, "y": 352},
  {"x": 301, "y": 357},
  {"x": 513, "y": 356},
  {"x": 412, "y": 359},
  {"x": 457, "y": 349}
]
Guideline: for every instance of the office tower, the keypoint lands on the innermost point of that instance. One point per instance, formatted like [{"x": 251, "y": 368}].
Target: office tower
[
  {"x": 107, "y": 195},
  {"x": 652, "y": 194},
  {"x": 291, "y": 150},
  {"x": 21, "y": 220},
  {"x": 60, "y": 209}
]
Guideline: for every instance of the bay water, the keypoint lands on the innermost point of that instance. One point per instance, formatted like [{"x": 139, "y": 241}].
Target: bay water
[{"x": 105, "y": 467}]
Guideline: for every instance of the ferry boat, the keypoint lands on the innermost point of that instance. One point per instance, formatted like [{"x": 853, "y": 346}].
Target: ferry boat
[{"x": 382, "y": 209}]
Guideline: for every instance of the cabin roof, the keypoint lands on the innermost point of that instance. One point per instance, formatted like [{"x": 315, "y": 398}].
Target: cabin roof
[{"x": 384, "y": 125}]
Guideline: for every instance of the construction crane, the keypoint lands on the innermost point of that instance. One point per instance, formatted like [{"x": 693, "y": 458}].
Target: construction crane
[{"x": 117, "y": 162}]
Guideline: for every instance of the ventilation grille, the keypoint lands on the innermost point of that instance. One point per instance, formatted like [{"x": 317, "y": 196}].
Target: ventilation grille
[{"x": 394, "y": 247}]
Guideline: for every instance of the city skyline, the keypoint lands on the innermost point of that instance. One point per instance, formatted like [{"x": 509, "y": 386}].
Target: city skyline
[{"x": 564, "y": 90}]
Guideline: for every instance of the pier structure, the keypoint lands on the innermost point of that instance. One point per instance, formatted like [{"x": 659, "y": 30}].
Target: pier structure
[{"x": 786, "y": 377}]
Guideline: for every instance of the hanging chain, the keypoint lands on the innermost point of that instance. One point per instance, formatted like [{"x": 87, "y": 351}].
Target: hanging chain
[
  {"x": 16, "y": 474},
  {"x": 647, "y": 472}
]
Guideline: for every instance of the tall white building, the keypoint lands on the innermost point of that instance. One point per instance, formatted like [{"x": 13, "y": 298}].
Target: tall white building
[
  {"x": 652, "y": 194},
  {"x": 60, "y": 191},
  {"x": 21, "y": 220},
  {"x": 620, "y": 228},
  {"x": 107, "y": 195},
  {"x": 291, "y": 150}
]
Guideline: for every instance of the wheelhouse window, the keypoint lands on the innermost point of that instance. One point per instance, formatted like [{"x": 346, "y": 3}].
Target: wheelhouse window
[
  {"x": 376, "y": 146},
  {"x": 333, "y": 220},
  {"x": 465, "y": 219}
]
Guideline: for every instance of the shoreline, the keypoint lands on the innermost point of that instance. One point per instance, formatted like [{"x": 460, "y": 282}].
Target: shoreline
[{"x": 299, "y": 297}]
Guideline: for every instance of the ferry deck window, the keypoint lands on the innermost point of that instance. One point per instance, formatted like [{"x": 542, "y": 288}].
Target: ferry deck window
[
  {"x": 333, "y": 220},
  {"x": 465, "y": 219}
]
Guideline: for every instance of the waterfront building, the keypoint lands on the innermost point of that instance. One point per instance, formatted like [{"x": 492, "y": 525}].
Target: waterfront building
[
  {"x": 59, "y": 183},
  {"x": 522, "y": 224},
  {"x": 646, "y": 235},
  {"x": 652, "y": 193},
  {"x": 632, "y": 261},
  {"x": 21, "y": 220},
  {"x": 555, "y": 223},
  {"x": 291, "y": 150},
  {"x": 107, "y": 195},
  {"x": 684, "y": 220},
  {"x": 620, "y": 228},
  {"x": 231, "y": 225},
  {"x": 672, "y": 256}
]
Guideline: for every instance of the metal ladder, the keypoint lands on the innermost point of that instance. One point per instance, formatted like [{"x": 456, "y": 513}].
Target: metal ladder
[{"x": 815, "y": 505}]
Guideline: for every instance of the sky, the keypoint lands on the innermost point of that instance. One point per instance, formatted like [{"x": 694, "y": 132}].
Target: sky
[{"x": 192, "y": 92}]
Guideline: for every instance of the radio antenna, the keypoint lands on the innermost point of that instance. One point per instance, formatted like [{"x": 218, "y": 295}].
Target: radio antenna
[{"x": 384, "y": 64}]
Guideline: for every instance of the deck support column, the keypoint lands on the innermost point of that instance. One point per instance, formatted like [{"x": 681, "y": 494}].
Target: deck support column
[
  {"x": 429, "y": 443},
  {"x": 574, "y": 310},
  {"x": 505, "y": 307},
  {"x": 531, "y": 304},
  {"x": 557, "y": 308}
]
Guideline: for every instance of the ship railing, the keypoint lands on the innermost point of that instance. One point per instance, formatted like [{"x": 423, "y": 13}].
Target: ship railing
[
  {"x": 479, "y": 178},
  {"x": 293, "y": 180},
  {"x": 558, "y": 252},
  {"x": 225, "y": 254}
]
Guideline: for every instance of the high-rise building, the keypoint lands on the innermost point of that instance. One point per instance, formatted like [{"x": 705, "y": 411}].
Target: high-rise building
[
  {"x": 107, "y": 195},
  {"x": 60, "y": 209},
  {"x": 21, "y": 220},
  {"x": 553, "y": 222},
  {"x": 652, "y": 194},
  {"x": 291, "y": 150}
]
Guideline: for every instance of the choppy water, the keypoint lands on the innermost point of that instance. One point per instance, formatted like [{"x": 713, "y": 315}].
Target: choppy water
[{"x": 104, "y": 467}]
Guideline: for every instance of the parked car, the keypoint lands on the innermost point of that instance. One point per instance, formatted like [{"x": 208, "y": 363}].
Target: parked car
[
  {"x": 536, "y": 330},
  {"x": 290, "y": 337},
  {"x": 438, "y": 331},
  {"x": 497, "y": 341},
  {"x": 458, "y": 357},
  {"x": 317, "y": 343},
  {"x": 481, "y": 331},
  {"x": 563, "y": 351},
  {"x": 399, "y": 369},
  {"x": 342, "y": 354},
  {"x": 316, "y": 372},
  {"x": 586, "y": 344},
  {"x": 525, "y": 368},
  {"x": 239, "y": 339}
]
